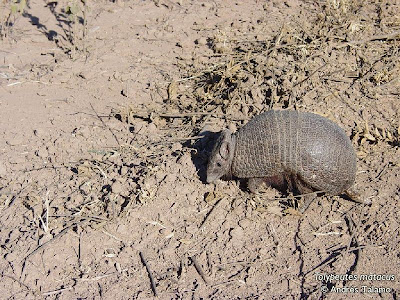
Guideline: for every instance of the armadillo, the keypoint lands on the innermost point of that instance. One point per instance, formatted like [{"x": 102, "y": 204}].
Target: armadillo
[{"x": 301, "y": 150}]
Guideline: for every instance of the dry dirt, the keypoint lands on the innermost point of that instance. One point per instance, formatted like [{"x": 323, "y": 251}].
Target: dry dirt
[{"x": 107, "y": 114}]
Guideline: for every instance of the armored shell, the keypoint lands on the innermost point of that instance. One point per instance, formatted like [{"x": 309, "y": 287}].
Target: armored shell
[{"x": 307, "y": 146}]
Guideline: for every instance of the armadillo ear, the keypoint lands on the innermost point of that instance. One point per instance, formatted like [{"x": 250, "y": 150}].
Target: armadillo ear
[{"x": 224, "y": 150}]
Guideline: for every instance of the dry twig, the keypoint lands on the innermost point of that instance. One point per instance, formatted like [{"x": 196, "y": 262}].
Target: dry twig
[
  {"x": 199, "y": 269},
  {"x": 152, "y": 283}
]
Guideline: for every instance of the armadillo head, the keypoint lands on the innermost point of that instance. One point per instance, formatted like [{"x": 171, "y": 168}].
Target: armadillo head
[{"x": 220, "y": 161}]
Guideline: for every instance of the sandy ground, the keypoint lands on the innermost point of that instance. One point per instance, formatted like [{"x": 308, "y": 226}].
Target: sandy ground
[{"x": 106, "y": 118}]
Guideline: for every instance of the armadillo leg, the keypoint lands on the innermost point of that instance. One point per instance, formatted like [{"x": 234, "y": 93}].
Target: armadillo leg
[
  {"x": 254, "y": 184},
  {"x": 279, "y": 182},
  {"x": 304, "y": 189}
]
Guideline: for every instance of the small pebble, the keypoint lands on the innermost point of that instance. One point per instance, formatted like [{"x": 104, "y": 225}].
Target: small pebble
[
  {"x": 42, "y": 152},
  {"x": 117, "y": 187},
  {"x": 176, "y": 147},
  {"x": 201, "y": 41}
]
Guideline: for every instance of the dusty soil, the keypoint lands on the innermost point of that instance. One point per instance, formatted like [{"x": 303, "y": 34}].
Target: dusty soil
[{"x": 107, "y": 114}]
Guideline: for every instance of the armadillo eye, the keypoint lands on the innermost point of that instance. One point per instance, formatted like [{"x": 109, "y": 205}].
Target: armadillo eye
[{"x": 218, "y": 164}]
